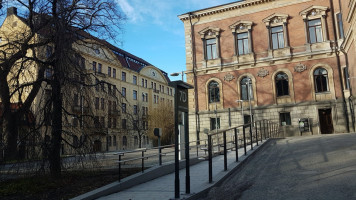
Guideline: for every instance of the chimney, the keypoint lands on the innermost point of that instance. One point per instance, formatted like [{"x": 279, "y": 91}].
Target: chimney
[{"x": 11, "y": 11}]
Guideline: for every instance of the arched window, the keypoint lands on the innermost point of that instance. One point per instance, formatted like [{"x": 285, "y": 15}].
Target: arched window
[
  {"x": 124, "y": 140},
  {"x": 214, "y": 92},
  {"x": 244, "y": 88},
  {"x": 282, "y": 85},
  {"x": 321, "y": 80}
]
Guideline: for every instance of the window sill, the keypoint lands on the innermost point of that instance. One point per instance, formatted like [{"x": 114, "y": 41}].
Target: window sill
[
  {"x": 245, "y": 58},
  {"x": 279, "y": 53}
]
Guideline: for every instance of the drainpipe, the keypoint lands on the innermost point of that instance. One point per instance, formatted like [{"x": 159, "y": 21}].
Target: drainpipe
[
  {"x": 339, "y": 66},
  {"x": 197, "y": 119},
  {"x": 347, "y": 65}
]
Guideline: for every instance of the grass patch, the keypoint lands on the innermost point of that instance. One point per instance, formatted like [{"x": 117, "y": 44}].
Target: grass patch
[{"x": 70, "y": 185}]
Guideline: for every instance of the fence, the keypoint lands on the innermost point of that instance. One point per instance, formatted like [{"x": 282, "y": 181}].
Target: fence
[{"x": 228, "y": 139}]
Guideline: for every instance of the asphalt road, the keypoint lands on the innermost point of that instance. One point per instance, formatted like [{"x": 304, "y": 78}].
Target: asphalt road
[{"x": 313, "y": 167}]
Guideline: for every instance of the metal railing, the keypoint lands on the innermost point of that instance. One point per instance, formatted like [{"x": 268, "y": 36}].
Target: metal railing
[
  {"x": 257, "y": 130},
  {"x": 231, "y": 140}
]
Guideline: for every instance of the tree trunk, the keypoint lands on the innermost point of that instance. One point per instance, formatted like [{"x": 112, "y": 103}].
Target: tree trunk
[
  {"x": 54, "y": 156},
  {"x": 11, "y": 135}
]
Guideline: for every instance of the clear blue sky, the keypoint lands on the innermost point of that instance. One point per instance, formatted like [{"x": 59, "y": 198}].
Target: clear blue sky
[{"x": 154, "y": 33}]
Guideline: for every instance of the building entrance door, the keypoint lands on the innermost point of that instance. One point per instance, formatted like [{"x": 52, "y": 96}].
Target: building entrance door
[
  {"x": 97, "y": 146},
  {"x": 326, "y": 122}
]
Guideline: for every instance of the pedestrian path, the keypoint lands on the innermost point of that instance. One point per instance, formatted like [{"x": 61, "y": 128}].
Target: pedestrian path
[{"x": 163, "y": 187}]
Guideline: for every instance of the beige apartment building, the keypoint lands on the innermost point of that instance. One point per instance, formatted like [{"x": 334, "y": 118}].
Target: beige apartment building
[
  {"x": 283, "y": 57},
  {"x": 108, "y": 99}
]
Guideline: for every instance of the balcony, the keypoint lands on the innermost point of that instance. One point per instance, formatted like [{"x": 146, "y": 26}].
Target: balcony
[{"x": 155, "y": 91}]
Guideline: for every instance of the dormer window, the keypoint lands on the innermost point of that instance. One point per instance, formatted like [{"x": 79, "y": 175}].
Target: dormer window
[
  {"x": 210, "y": 37},
  {"x": 315, "y": 24},
  {"x": 277, "y": 31}
]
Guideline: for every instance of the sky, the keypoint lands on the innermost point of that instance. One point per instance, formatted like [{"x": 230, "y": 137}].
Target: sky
[{"x": 154, "y": 32}]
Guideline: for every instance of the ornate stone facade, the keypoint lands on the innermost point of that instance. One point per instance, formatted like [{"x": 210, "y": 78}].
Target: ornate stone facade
[{"x": 286, "y": 49}]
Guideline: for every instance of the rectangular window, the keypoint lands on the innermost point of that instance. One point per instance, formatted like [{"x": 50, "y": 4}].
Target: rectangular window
[
  {"x": 143, "y": 96},
  {"x": 114, "y": 90},
  {"x": 315, "y": 31},
  {"x": 102, "y": 103},
  {"x": 214, "y": 122},
  {"x": 114, "y": 73},
  {"x": 134, "y": 95},
  {"x": 114, "y": 122},
  {"x": 123, "y": 92},
  {"x": 123, "y": 76},
  {"x": 76, "y": 100},
  {"x": 96, "y": 102},
  {"x": 109, "y": 106},
  {"x": 99, "y": 68},
  {"x": 285, "y": 119},
  {"x": 123, "y": 105},
  {"x": 340, "y": 25},
  {"x": 247, "y": 119},
  {"x": 143, "y": 83},
  {"x": 94, "y": 66},
  {"x": 109, "y": 71},
  {"x": 134, "y": 80},
  {"x": 211, "y": 49},
  {"x": 96, "y": 84},
  {"x": 123, "y": 123},
  {"x": 109, "y": 122},
  {"x": 114, "y": 106},
  {"x": 242, "y": 44},
  {"x": 277, "y": 37},
  {"x": 102, "y": 122},
  {"x": 135, "y": 109},
  {"x": 96, "y": 122}
]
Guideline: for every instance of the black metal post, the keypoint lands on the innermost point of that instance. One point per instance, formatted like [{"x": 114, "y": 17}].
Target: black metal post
[
  {"x": 159, "y": 151},
  {"x": 256, "y": 133},
  {"x": 244, "y": 132},
  {"x": 267, "y": 127},
  {"x": 251, "y": 139},
  {"x": 210, "y": 159},
  {"x": 225, "y": 152},
  {"x": 143, "y": 161},
  {"x": 119, "y": 167},
  {"x": 187, "y": 165},
  {"x": 236, "y": 145},
  {"x": 261, "y": 131}
]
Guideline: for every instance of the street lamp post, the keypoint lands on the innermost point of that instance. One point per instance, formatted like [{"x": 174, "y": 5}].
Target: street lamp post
[{"x": 177, "y": 74}]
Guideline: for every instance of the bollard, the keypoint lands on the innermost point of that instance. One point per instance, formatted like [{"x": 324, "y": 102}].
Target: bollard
[
  {"x": 225, "y": 152},
  {"x": 236, "y": 145},
  {"x": 244, "y": 132},
  {"x": 251, "y": 139},
  {"x": 210, "y": 159},
  {"x": 119, "y": 167},
  {"x": 256, "y": 133},
  {"x": 143, "y": 161}
]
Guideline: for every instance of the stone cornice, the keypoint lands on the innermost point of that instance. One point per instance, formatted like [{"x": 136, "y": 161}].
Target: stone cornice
[{"x": 222, "y": 8}]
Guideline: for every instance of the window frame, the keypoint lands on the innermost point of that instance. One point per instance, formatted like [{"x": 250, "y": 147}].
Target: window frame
[
  {"x": 243, "y": 87},
  {"x": 209, "y": 34},
  {"x": 323, "y": 79},
  {"x": 282, "y": 82},
  {"x": 286, "y": 117},
  {"x": 213, "y": 92}
]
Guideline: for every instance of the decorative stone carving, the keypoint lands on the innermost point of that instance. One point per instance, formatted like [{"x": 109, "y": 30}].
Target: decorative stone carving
[
  {"x": 300, "y": 68},
  {"x": 229, "y": 77},
  {"x": 262, "y": 72}
]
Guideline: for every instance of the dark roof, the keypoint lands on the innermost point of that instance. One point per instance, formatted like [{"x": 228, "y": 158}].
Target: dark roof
[{"x": 125, "y": 58}]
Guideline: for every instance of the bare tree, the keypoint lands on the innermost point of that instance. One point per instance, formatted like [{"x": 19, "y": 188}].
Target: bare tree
[{"x": 54, "y": 30}]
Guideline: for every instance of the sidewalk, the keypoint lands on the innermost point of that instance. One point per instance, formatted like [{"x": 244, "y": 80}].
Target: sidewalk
[{"x": 163, "y": 187}]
